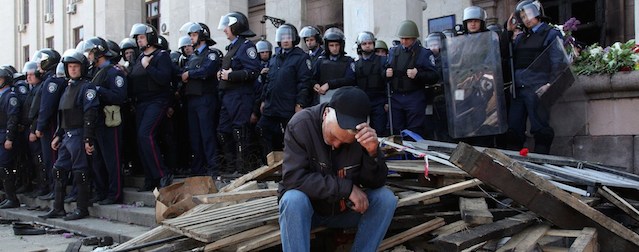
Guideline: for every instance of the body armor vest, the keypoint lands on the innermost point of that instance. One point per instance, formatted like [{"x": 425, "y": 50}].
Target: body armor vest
[
  {"x": 402, "y": 61},
  {"x": 71, "y": 116},
  {"x": 228, "y": 59},
  {"x": 198, "y": 86},
  {"x": 530, "y": 47},
  {"x": 368, "y": 74},
  {"x": 330, "y": 70}
]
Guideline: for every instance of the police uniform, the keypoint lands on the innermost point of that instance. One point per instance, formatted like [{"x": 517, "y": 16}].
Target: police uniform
[
  {"x": 152, "y": 91},
  {"x": 237, "y": 100},
  {"x": 288, "y": 81},
  {"x": 49, "y": 95},
  {"x": 32, "y": 151},
  {"x": 24, "y": 165},
  {"x": 408, "y": 99},
  {"x": 370, "y": 76},
  {"x": 202, "y": 101},
  {"x": 78, "y": 116},
  {"x": 9, "y": 113},
  {"x": 315, "y": 54},
  {"x": 111, "y": 87},
  {"x": 525, "y": 104},
  {"x": 338, "y": 71}
]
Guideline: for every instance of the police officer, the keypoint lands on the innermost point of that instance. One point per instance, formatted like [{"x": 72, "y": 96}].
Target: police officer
[
  {"x": 265, "y": 50},
  {"x": 129, "y": 52},
  {"x": 75, "y": 137},
  {"x": 439, "y": 129},
  {"x": 186, "y": 50},
  {"x": 334, "y": 69},
  {"x": 240, "y": 68},
  {"x": 370, "y": 76},
  {"x": 474, "y": 20},
  {"x": 9, "y": 113},
  {"x": 381, "y": 49},
  {"x": 286, "y": 92},
  {"x": 411, "y": 68},
  {"x": 530, "y": 85},
  {"x": 150, "y": 83},
  {"x": 313, "y": 40},
  {"x": 24, "y": 167},
  {"x": 110, "y": 84},
  {"x": 202, "y": 99},
  {"x": 46, "y": 103}
]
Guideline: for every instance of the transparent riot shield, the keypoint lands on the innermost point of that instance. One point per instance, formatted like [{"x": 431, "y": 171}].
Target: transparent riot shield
[
  {"x": 473, "y": 85},
  {"x": 551, "y": 67}
]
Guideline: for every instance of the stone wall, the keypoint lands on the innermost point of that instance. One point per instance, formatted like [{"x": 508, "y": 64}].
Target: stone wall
[{"x": 596, "y": 120}]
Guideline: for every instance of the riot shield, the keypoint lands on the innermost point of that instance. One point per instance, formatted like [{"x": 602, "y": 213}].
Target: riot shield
[
  {"x": 552, "y": 67},
  {"x": 473, "y": 85}
]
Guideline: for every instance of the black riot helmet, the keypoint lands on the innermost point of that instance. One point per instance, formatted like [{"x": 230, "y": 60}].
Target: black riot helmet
[
  {"x": 238, "y": 23},
  {"x": 47, "y": 59},
  {"x": 334, "y": 34},
  {"x": 202, "y": 30},
  {"x": 59, "y": 71},
  {"x": 73, "y": 56},
  {"x": 534, "y": 10},
  {"x": 287, "y": 32},
  {"x": 311, "y": 31},
  {"x": 16, "y": 75},
  {"x": 362, "y": 37},
  {"x": 175, "y": 57},
  {"x": 126, "y": 44},
  {"x": 99, "y": 47},
  {"x": 474, "y": 13},
  {"x": 434, "y": 41},
  {"x": 5, "y": 73},
  {"x": 149, "y": 31},
  {"x": 164, "y": 44},
  {"x": 31, "y": 67},
  {"x": 115, "y": 51}
]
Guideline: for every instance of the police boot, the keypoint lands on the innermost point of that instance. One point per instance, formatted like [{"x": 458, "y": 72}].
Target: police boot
[
  {"x": 543, "y": 140},
  {"x": 81, "y": 182},
  {"x": 228, "y": 150},
  {"x": 43, "y": 187},
  {"x": 24, "y": 178},
  {"x": 60, "y": 176},
  {"x": 265, "y": 145},
  {"x": 240, "y": 148},
  {"x": 9, "y": 182}
]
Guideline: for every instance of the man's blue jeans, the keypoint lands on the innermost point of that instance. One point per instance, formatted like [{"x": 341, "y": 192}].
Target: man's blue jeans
[{"x": 297, "y": 217}]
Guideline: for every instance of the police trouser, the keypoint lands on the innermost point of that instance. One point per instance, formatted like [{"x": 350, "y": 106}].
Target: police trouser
[
  {"x": 271, "y": 132},
  {"x": 49, "y": 156},
  {"x": 7, "y": 170},
  {"x": 72, "y": 157},
  {"x": 106, "y": 162},
  {"x": 378, "y": 117},
  {"x": 408, "y": 111},
  {"x": 202, "y": 132},
  {"x": 149, "y": 115},
  {"x": 235, "y": 114},
  {"x": 526, "y": 106}
]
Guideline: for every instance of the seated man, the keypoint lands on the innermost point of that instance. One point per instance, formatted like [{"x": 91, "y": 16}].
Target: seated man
[{"x": 333, "y": 174}]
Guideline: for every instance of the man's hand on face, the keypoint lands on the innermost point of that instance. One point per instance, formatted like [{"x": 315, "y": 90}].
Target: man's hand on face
[{"x": 367, "y": 138}]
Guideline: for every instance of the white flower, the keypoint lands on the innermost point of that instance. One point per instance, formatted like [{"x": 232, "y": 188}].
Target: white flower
[
  {"x": 634, "y": 57},
  {"x": 595, "y": 52}
]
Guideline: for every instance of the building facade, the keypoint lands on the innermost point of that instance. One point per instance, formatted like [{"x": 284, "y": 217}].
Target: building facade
[{"x": 61, "y": 24}]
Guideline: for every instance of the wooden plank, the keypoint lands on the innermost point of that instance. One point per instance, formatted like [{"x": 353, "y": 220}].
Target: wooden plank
[
  {"x": 553, "y": 249},
  {"x": 586, "y": 242},
  {"x": 449, "y": 229},
  {"x": 262, "y": 171},
  {"x": 564, "y": 233},
  {"x": 541, "y": 196},
  {"x": 152, "y": 235},
  {"x": 415, "y": 199},
  {"x": 474, "y": 211},
  {"x": 506, "y": 227},
  {"x": 525, "y": 240},
  {"x": 413, "y": 166},
  {"x": 618, "y": 201},
  {"x": 233, "y": 196},
  {"x": 410, "y": 234},
  {"x": 240, "y": 237}
]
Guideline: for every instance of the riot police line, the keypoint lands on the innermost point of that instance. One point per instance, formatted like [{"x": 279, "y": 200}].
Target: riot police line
[{"x": 105, "y": 110}]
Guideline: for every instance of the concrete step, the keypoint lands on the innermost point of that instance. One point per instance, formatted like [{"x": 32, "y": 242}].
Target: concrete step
[
  {"x": 143, "y": 216},
  {"x": 91, "y": 226},
  {"x": 130, "y": 195}
]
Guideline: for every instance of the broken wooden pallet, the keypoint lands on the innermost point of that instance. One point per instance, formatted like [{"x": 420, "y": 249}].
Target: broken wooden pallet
[{"x": 584, "y": 240}]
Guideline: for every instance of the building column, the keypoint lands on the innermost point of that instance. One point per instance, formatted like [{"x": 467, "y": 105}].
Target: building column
[
  {"x": 293, "y": 11},
  {"x": 491, "y": 10},
  {"x": 210, "y": 11},
  {"x": 379, "y": 17},
  {"x": 636, "y": 3}
]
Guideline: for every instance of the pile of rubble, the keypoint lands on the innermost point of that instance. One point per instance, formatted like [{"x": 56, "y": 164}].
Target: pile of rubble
[{"x": 451, "y": 198}]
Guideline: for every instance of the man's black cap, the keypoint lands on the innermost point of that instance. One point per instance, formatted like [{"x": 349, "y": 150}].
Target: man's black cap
[{"x": 351, "y": 105}]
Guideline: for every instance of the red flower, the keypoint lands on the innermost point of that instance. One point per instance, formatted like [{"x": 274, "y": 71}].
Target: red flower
[
  {"x": 625, "y": 69},
  {"x": 523, "y": 152}
]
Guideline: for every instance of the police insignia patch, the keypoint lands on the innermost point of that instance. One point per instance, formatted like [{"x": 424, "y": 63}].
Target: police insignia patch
[
  {"x": 212, "y": 56},
  {"x": 309, "y": 64},
  {"x": 119, "y": 81},
  {"x": 251, "y": 52},
  {"x": 90, "y": 94},
  {"x": 353, "y": 66},
  {"x": 22, "y": 89},
  {"x": 432, "y": 59},
  {"x": 52, "y": 87},
  {"x": 13, "y": 101}
]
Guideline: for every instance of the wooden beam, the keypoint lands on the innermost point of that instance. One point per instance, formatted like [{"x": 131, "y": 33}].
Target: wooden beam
[
  {"x": 415, "y": 199},
  {"x": 474, "y": 211},
  {"x": 618, "y": 201},
  {"x": 449, "y": 229},
  {"x": 233, "y": 196},
  {"x": 240, "y": 237},
  {"x": 262, "y": 171},
  {"x": 506, "y": 227},
  {"x": 525, "y": 240},
  {"x": 586, "y": 242},
  {"x": 541, "y": 196},
  {"x": 410, "y": 234}
]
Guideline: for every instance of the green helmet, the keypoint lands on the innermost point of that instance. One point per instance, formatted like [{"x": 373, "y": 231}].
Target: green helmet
[
  {"x": 380, "y": 44},
  {"x": 408, "y": 29}
]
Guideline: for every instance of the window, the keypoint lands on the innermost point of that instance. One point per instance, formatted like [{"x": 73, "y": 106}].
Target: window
[
  {"x": 49, "y": 6},
  {"x": 78, "y": 35},
  {"x": 589, "y": 12},
  {"x": 49, "y": 42},
  {"x": 25, "y": 11},
  {"x": 153, "y": 13},
  {"x": 25, "y": 53}
]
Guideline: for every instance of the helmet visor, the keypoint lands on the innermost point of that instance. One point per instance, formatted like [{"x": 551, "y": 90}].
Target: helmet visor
[
  {"x": 226, "y": 21},
  {"x": 59, "y": 70},
  {"x": 284, "y": 33},
  {"x": 138, "y": 29},
  {"x": 29, "y": 67},
  {"x": 189, "y": 27},
  {"x": 38, "y": 57},
  {"x": 365, "y": 37}
]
